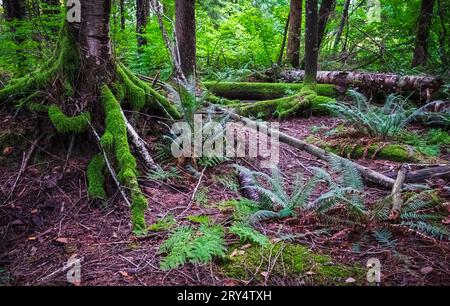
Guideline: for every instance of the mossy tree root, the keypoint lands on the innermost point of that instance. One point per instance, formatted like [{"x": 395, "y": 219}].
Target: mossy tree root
[{"x": 115, "y": 141}]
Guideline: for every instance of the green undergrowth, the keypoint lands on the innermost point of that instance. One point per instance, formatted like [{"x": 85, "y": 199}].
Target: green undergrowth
[{"x": 288, "y": 260}]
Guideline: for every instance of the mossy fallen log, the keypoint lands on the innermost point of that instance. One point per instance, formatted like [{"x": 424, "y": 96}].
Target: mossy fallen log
[
  {"x": 263, "y": 91},
  {"x": 391, "y": 151}
]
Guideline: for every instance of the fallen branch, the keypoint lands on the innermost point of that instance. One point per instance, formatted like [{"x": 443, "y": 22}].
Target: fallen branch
[
  {"x": 397, "y": 200},
  {"x": 140, "y": 146},
  {"x": 440, "y": 171}
]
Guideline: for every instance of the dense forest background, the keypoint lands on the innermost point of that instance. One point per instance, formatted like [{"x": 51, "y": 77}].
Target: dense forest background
[{"x": 236, "y": 37}]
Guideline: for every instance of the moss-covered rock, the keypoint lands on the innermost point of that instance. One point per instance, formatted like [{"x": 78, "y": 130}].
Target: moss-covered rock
[{"x": 289, "y": 260}]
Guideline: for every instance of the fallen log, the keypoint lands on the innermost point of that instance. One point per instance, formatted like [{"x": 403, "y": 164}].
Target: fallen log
[
  {"x": 386, "y": 82},
  {"x": 426, "y": 174},
  {"x": 263, "y": 91}
]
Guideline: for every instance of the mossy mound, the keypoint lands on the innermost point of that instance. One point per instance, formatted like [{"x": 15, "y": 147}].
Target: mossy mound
[{"x": 289, "y": 260}]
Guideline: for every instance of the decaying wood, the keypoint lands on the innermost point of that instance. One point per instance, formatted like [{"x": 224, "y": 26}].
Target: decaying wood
[
  {"x": 140, "y": 145},
  {"x": 379, "y": 81},
  {"x": 247, "y": 183},
  {"x": 397, "y": 200},
  {"x": 366, "y": 173}
]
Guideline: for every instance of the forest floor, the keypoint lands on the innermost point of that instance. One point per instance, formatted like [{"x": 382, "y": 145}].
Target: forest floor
[{"x": 49, "y": 218}]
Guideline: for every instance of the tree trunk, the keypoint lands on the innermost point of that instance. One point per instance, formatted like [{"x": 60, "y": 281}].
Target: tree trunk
[
  {"x": 311, "y": 42},
  {"x": 423, "y": 33},
  {"x": 380, "y": 81},
  {"x": 324, "y": 13},
  {"x": 14, "y": 9},
  {"x": 92, "y": 38},
  {"x": 295, "y": 29},
  {"x": 342, "y": 25},
  {"x": 142, "y": 15},
  {"x": 122, "y": 15},
  {"x": 185, "y": 35}
]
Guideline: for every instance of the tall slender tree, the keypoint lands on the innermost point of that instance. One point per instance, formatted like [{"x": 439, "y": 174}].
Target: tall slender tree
[
  {"x": 342, "y": 24},
  {"x": 311, "y": 42},
  {"x": 142, "y": 15},
  {"x": 326, "y": 7},
  {"x": 294, "y": 35},
  {"x": 186, "y": 37},
  {"x": 122, "y": 14},
  {"x": 423, "y": 33}
]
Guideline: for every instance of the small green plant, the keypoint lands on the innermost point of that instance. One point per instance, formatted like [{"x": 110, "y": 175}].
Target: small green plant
[
  {"x": 164, "y": 224},
  {"x": 164, "y": 175},
  {"x": 382, "y": 122},
  {"x": 419, "y": 214},
  {"x": 429, "y": 144},
  {"x": 276, "y": 202},
  {"x": 201, "y": 219},
  {"x": 201, "y": 197},
  {"x": 246, "y": 233},
  {"x": 194, "y": 245}
]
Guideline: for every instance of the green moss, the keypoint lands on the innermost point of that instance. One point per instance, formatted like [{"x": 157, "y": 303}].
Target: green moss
[
  {"x": 133, "y": 93},
  {"x": 96, "y": 179},
  {"x": 151, "y": 97},
  {"x": 262, "y": 91},
  {"x": 294, "y": 261},
  {"x": 65, "y": 124},
  {"x": 392, "y": 152},
  {"x": 116, "y": 128}
]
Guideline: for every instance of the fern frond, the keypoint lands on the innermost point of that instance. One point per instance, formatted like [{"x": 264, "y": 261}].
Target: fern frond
[{"x": 247, "y": 233}]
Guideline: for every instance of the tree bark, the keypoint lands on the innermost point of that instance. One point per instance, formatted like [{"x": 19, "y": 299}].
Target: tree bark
[
  {"x": 294, "y": 36},
  {"x": 142, "y": 15},
  {"x": 92, "y": 38},
  {"x": 423, "y": 33},
  {"x": 380, "y": 81},
  {"x": 14, "y": 9},
  {"x": 342, "y": 25},
  {"x": 185, "y": 35},
  {"x": 122, "y": 14},
  {"x": 324, "y": 13},
  {"x": 311, "y": 42}
]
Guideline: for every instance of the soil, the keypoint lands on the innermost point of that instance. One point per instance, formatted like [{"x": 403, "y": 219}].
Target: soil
[{"x": 48, "y": 218}]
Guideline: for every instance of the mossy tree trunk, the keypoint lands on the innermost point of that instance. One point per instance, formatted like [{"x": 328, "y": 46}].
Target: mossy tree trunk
[
  {"x": 85, "y": 79},
  {"x": 423, "y": 33}
]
